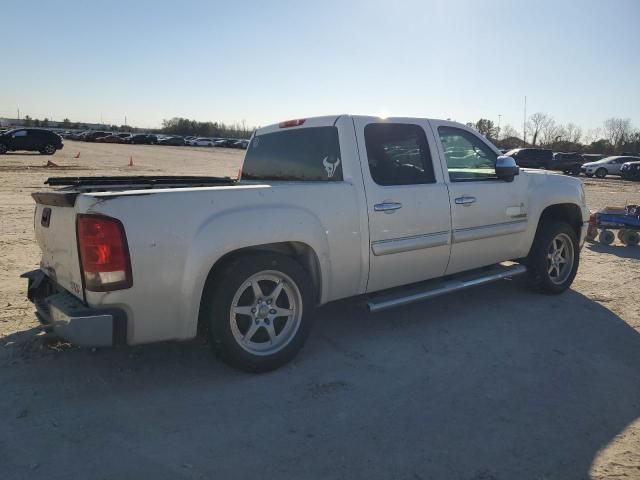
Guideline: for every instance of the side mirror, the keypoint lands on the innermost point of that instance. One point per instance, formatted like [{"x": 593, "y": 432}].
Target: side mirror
[{"x": 506, "y": 168}]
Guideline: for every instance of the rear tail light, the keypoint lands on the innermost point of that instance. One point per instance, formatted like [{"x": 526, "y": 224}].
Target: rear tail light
[
  {"x": 292, "y": 123},
  {"x": 104, "y": 254}
]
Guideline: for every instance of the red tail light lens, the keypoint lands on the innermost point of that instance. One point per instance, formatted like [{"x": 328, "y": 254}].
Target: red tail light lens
[
  {"x": 292, "y": 123},
  {"x": 104, "y": 254}
]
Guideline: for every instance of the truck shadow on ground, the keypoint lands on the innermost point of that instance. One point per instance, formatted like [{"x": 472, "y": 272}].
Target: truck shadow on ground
[
  {"x": 618, "y": 250},
  {"x": 492, "y": 383}
]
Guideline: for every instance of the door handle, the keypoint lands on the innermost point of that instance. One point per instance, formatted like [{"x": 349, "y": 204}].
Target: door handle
[
  {"x": 465, "y": 200},
  {"x": 388, "y": 207}
]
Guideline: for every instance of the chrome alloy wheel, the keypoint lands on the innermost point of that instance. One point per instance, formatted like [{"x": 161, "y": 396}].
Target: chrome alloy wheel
[
  {"x": 266, "y": 312},
  {"x": 560, "y": 258}
]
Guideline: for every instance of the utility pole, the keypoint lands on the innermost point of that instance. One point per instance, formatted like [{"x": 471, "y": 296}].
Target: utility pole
[
  {"x": 499, "y": 117},
  {"x": 125, "y": 119},
  {"x": 18, "y": 113},
  {"x": 524, "y": 124}
]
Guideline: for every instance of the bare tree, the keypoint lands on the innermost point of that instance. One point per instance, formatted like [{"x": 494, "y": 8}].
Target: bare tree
[
  {"x": 550, "y": 132},
  {"x": 572, "y": 133},
  {"x": 593, "y": 135},
  {"x": 508, "y": 132},
  {"x": 617, "y": 131},
  {"x": 536, "y": 123}
]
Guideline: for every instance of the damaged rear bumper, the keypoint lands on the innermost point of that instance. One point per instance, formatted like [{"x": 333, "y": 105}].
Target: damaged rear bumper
[{"x": 69, "y": 318}]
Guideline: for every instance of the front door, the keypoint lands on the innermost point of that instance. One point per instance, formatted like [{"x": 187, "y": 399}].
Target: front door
[
  {"x": 407, "y": 202},
  {"x": 489, "y": 215}
]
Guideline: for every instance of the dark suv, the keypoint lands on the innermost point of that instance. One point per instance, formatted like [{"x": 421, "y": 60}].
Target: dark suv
[
  {"x": 532, "y": 157},
  {"x": 567, "y": 162},
  {"x": 30, "y": 139},
  {"x": 545, "y": 158}
]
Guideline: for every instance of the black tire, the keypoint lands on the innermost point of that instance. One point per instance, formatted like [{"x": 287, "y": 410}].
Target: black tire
[
  {"x": 218, "y": 300},
  {"x": 606, "y": 237},
  {"x": 601, "y": 172},
  {"x": 3, "y": 148},
  {"x": 48, "y": 149},
  {"x": 537, "y": 262},
  {"x": 631, "y": 238},
  {"x": 576, "y": 171},
  {"x": 589, "y": 175}
]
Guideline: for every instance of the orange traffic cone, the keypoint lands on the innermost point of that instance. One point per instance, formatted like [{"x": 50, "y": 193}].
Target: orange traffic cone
[
  {"x": 131, "y": 161},
  {"x": 51, "y": 164},
  {"x": 77, "y": 156}
]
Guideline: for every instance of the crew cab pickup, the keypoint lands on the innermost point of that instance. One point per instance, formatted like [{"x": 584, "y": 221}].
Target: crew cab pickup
[{"x": 392, "y": 210}]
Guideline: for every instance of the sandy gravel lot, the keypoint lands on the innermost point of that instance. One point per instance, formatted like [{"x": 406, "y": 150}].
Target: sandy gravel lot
[{"x": 506, "y": 384}]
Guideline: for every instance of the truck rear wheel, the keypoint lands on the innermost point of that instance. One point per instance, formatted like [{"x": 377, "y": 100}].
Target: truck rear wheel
[
  {"x": 259, "y": 311},
  {"x": 554, "y": 257}
]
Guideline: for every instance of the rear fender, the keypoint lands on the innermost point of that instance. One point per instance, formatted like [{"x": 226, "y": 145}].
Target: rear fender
[{"x": 244, "y": 228}]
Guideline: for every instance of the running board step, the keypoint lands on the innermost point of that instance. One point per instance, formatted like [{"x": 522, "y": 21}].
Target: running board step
[{"x": 434, "y": 288}]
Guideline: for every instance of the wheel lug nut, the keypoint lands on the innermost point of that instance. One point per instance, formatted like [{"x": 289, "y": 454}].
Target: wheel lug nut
[
  {"x": 269, "y": 302},
  {"x": 257, "y": 321},
  {"x": 272, "y": 311},
  {"x": 266, "y": 321},
  {"x": 253, "y": 310}
]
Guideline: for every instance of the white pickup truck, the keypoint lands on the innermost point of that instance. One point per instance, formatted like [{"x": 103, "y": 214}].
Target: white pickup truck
[{"x": 326, "y": 208}]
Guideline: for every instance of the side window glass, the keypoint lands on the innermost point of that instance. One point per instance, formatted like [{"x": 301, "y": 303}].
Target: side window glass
[
  {"x": 468, "y": 158},
  {"x": 398, "y": 154},
  {"x": 21, "y": 133}
]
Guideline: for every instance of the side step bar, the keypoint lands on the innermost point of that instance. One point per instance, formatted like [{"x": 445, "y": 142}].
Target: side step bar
[{"x": 434, "y": 288}]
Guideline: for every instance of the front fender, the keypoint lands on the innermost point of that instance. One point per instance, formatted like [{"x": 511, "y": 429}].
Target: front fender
[
  {"x": 269, "y": 224},
  {"x": 547, "y": 189}
]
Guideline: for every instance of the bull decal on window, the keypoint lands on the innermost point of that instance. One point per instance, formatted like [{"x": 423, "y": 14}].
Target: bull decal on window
[{"x": 330, "y": 167}]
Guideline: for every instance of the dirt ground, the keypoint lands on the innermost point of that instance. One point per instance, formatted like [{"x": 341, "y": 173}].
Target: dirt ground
[{"x": 505, "y": 384}]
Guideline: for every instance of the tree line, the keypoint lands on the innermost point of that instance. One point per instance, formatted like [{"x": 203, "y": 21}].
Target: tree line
[
  {"x": 615, "y": 136},
  {"x": 173, "y": 126},
  {"x": 186, "y": 127}
]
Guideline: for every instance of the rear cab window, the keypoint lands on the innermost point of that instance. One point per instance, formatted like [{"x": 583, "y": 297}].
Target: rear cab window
[{"x": 309, "y": 154}]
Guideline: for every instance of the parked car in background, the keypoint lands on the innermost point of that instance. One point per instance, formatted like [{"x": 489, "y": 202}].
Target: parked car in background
[
  {"x": 110, "y": 139},
  {"x": 532, "y": 157},
  {"x": 243, "y": 144},
  {"x": 224, "y": 142},
  {"x": 93, "y": 136},
  {"x": 567, "y": 162},
  {"x": 201, "y": 142},
  {"x": 630, "y": 170},
  {"x": 606, "y": 166},
  {"x": 31, "y": 140},
  {"x": 173, "y": 141},
  {"x": 592, "y": 157},
  {"x": 144, "y": 139}
]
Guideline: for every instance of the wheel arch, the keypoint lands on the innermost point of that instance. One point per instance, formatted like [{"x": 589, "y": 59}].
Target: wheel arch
[
  {"x": 301, "y": 252},
  {"x": 563, "y": 212}
]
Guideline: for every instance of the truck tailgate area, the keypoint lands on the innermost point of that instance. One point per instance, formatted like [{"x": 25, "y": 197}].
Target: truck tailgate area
[{"x": 55, "y": 230}]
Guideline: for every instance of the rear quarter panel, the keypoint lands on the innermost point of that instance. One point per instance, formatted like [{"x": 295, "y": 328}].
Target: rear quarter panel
[{"x": 176, "y": 236}]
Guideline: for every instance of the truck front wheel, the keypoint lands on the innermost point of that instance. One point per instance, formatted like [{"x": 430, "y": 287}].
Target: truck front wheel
[
  {"x": 554, "y": 257},
  {"x": 258, "y": 311}
]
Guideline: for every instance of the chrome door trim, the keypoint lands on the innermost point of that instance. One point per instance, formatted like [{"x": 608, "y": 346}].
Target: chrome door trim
[
  {"x": 461, "y": 235},
  {"x": 407, "y": 244}
]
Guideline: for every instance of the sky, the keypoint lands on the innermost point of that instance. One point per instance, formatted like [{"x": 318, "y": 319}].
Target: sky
[{"x": 265, "y": 61}]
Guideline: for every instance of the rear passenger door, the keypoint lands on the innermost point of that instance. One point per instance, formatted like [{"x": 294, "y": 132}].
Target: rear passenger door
[{"x": 407, "y": 202}]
